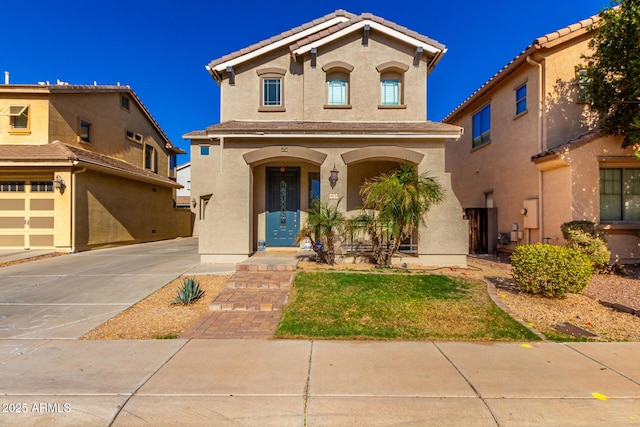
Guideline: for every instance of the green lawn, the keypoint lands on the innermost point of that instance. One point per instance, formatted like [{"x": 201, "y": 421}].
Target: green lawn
[{"x": 395, "y": 306}]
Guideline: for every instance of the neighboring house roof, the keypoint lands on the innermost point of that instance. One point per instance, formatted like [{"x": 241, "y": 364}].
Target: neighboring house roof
[
  {"x": 66, "y": 155},
  {"x": 183, "y": 166},
  {"x": 325, "y": 129},
  {"x": 576, "y": 142},
  {"x": 547, "y": 41},
  {"x": 183, "y": 200},
  {"x": 67, "y": 88},
  {"x": 325, "y": 29}
]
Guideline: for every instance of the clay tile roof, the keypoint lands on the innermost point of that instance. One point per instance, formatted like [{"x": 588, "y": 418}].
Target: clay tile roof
[
  {"x": 538, "y": 43},
  {"x": 293, "y": 31},
  {"x": 330, "y": 128},
  {"x": 576, "y": 142}
]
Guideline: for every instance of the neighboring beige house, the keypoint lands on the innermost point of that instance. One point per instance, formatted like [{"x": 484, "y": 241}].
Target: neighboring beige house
[
  {"x": 530, "y": 160},
  {"x": 311, "y": 113},
  {"x": 84, "y": 167},
  {"x": 183, "y": 177}
]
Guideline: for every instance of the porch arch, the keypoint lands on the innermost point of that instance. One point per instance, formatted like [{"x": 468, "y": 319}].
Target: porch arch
[
  {"x": 398, "y": 154},
  {"x": 262, "y": 155}
]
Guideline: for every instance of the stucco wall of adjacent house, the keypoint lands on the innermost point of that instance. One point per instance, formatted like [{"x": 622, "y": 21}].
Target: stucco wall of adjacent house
[
  {"x": 112, "y": 210},
  {"x": 109, "y": 122},
  {"x": 622, "y": 238},
  {"x": 503, "y": 166},
  {"x": 565, "y": 118},
  {"x": 557, "y": 190},
  {"x": 305, "y": 88}
]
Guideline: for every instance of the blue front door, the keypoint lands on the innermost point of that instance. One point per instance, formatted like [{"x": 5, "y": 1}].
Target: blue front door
[{"x": 283, "y": 206}]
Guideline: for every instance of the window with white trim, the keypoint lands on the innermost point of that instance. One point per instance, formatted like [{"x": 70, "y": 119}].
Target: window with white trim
[
  {"x": 271, "y": 89},
  {"x": 390, "y": 92},
  {"x": 392, "y": 84},
  {"x": 42, "y": 186},
  {"x": 521, "y": 99},
  {"x": 18, "y": 118},
  {"x": 12, "y": 186},
  {"x": 150, "y": 158},
  {"x": 134, "y": 136},
  {"x": 338, "y": 74}
]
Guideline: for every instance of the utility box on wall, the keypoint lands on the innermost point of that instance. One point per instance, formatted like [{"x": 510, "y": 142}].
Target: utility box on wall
[{"x": 530, "y": 213}]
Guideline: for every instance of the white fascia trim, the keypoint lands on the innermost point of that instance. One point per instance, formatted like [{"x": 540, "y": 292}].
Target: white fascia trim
[
  {"x": 374, "y": 25},
  {"x": 451, "y": 135},
  {"x": 284, "y": 42}
]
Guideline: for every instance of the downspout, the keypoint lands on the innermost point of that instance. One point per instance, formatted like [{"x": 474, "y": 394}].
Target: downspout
[
  {"x": 541, "y": 144},
  {"x": 73, "y": 205}
]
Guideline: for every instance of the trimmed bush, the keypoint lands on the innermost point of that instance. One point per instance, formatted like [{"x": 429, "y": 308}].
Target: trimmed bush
[
  {"x": 584, "y": 237},
  {"x": 550, "y": 270}
]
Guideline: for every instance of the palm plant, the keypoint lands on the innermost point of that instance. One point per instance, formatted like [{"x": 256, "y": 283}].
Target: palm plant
[
  {"x": 324, "y": 223},
  {"x": 397, "y": 202}
]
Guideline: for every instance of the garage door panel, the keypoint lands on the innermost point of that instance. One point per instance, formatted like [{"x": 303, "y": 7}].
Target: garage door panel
[
  {"x": 12, "y": 241},
  {"x": 41, "y": 222},
  {"x": 41, "y": 241},
  {"x": 12, "y": 204},
  {"x": 41, "y": 204},
  {"x": 12, "y": 222}
]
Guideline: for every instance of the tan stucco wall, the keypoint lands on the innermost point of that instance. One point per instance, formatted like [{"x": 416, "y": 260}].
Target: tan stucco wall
[
  {"x": 235, "y": 215},
  {"x": 109, "y": 121},
  {"x": 504, "y": 166},
  {"x": 306, "y": 87},
  {"x": 112, "y": 210}
]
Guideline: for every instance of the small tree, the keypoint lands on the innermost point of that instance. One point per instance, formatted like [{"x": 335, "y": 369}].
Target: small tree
[
  {"x": 395, "y": 204},
  {"x": 613, "y": 72},
  {"x": 584, "y": 237},
  {"x": 324, "y": 223}
]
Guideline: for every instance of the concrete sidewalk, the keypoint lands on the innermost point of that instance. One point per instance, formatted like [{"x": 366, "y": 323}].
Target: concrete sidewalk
[{"x": 319, "y": 383}]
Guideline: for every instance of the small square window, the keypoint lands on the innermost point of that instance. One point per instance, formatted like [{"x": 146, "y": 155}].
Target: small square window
[
  {"x": 204, "y": 150},
  {"x": 85, "y": 131},
  {"x": 134, "y": 136},
  {"x": 521, "y": 99},
  {"x": 18, "y": 118}
]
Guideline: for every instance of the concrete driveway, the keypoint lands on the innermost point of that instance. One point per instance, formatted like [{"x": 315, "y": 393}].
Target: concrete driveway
[{"x": 66, "y": 296}]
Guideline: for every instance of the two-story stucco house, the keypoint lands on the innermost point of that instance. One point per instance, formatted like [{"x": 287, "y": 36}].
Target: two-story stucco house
[
  {"x": 311, "y": 113},
  {"x": 84, "y": 167},
  {"x": 532, "y": 159}
]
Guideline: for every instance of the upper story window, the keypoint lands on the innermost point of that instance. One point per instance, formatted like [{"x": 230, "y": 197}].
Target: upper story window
[
  {"x": 150, "y": 158},
  {"x": 392, "y": 84},
  {"x": 204, "y": 150},
  {"x": 134, "y": 136},
  {"x": 124, "y": 102},
  {"x": 582, "y": 80},
  {"x": 84, "y": 131},
  {"x": 521, "y": 99},
  {"x": 619, "y": 194},
  {"x": 271, "y": 89},
  {"x": 482, "y": 126},
  {"x": 338, "y": 75},
  {"x": 18, "y": 118}
]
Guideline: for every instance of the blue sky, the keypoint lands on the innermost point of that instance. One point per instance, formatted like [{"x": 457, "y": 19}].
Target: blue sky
[{"x": 160, "y": 48}]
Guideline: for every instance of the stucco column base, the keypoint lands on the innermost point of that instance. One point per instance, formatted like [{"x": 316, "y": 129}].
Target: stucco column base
[{"x": 222, "y": 258}]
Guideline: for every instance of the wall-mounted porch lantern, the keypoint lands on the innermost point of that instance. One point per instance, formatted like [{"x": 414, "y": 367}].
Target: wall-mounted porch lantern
[
  {"x": 333, "y": 177},
  {"x": 59, "y": 184}
]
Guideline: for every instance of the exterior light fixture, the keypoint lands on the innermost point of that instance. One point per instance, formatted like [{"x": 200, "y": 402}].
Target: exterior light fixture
[
  {"x": 333, "y": 178},
  {"x": 59, "y": 183},
  {"x": 193, "y": 202}
]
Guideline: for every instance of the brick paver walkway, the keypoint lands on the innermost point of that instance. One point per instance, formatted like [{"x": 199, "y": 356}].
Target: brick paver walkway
[{"x": 250, "y": 306}]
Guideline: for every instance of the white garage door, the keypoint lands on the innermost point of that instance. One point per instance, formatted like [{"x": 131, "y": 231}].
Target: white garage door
[{"x": 26, "y": 214}]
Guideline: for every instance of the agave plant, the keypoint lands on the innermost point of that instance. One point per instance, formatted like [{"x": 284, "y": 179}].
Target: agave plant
[{"x": 189, "y": 293}]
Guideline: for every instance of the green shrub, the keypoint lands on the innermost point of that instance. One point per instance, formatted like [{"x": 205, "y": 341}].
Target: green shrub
[
  {"x": 550, "y": 270},
  {"x": 189, "y": 293},
  {"x": 584, "y": 237}
]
